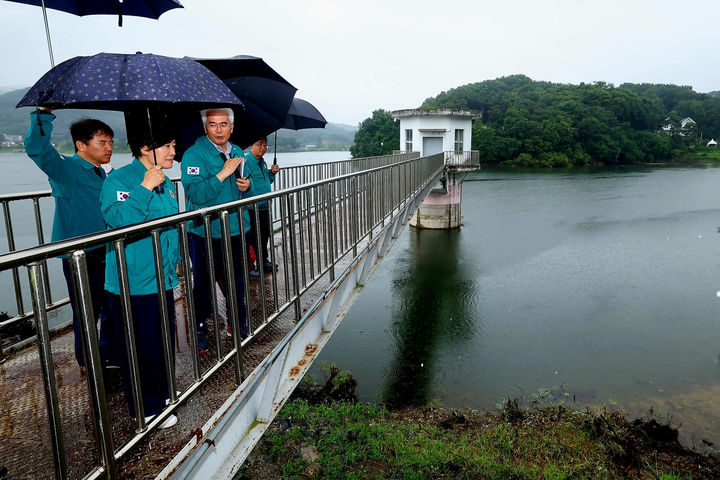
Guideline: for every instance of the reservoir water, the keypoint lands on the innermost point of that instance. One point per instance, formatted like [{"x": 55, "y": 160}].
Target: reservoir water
[{"x": 600, "y": 286}]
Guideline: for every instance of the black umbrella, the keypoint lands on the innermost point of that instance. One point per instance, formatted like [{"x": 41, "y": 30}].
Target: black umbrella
[
  {"x": 302, "y": 115},
  {"x": 128, "y": 82},
  {"x": 135, "y": 8},
  {"x": 266, "y": 97}
]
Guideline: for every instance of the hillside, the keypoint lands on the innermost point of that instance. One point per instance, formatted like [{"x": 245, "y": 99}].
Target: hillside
[
  {"x": 528, "y": 122},
  {"x": 14, "y": 121}
]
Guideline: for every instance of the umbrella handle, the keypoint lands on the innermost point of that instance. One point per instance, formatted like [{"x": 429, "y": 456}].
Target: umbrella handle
[{"x": 275, "y": 150}]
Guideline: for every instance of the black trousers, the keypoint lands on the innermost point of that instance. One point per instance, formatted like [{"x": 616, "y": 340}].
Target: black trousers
[
  {"x": 203, "y": 290},
  {"x": 95, "y": 260},
  {"x": 251, "y": 235},
  {"x": 148, "y": 341}
]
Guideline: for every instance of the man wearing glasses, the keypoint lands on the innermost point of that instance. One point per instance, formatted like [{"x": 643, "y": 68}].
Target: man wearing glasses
[
  {"x": 210, "y": 177},
  {"x": 260, "y": 179}
]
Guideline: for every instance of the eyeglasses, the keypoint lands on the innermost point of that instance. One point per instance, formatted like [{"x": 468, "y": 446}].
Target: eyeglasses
[{"x": 219, "y": 126}]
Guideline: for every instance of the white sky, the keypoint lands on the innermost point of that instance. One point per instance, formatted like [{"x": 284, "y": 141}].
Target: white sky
[{"x": 350, "y": 58}]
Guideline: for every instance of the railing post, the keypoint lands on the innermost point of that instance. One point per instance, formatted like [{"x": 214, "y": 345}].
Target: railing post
[
  {"x": 11, "y": 248},
  {"x": 93, "y": 365},
  {"x": 355, "y": 214},
  {"x": 258, "y": 263},
  {"x": 130, "y": 346},
  {"x": 273, "y": 258},
  {"x": 37, "y": 281},
  {"x": 212, "y": 279},
  {"x": 41, "y": 241},
  {"x": 294, "y": 257},
  {"x": 231, "y": 294},
  {"x": 189, "y": 297},
  {"x": 301, "y": 233},
  {"x": 165, "y": 331}
]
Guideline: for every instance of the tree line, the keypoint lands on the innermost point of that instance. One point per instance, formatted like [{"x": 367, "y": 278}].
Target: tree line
[{"x": 534, "y": 123}]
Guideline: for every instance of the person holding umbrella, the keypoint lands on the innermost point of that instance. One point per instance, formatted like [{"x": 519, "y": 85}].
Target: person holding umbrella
[
  {"x": 260, "y": 180},
  {"x": 129, "y": 196},
  {"x": 210, "y": 177},
  {"x": 76, "y": 182}
]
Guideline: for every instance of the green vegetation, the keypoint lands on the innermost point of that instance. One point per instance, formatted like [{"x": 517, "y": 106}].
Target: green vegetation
[
  {"x": 531, "y": 123},
  {"x": 360, "y": 440},
  {"x": 377, "y": 135}
]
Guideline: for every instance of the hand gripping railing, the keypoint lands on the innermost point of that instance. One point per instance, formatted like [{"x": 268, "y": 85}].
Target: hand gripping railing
[{"x": 320, "y": 224}]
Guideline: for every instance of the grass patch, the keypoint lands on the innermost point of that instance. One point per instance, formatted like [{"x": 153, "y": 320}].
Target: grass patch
[{"x": 347, "y": 440}]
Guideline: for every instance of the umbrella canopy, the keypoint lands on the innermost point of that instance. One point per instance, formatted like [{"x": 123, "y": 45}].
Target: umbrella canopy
[
  {"x": 112, "y": 81},
  {"x": 303, "y": 114},
  {"x": 265, "y": 94},
  {"x": 136, "y": 8}
]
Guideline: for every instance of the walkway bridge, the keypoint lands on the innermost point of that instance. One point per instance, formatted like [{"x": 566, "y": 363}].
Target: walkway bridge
[{"x": 333, "y": 223}]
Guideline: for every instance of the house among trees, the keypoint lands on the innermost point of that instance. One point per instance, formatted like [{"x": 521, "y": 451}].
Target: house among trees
[{"x": 685, "y": 127}]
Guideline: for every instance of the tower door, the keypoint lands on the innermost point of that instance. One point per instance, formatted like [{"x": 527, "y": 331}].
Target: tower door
[{"x": 432, "y": 145}]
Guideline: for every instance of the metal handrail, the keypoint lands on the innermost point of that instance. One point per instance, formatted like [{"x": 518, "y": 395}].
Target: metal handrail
[
  {"x": 286, "y": 178},
  {"x": 331, "y": 217}
]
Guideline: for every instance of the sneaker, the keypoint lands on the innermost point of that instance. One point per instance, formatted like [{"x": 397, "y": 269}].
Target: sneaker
[
  {"x": 254, "y": 273},
  {"x": 269, "y": 266},
  {"x": 170, "y": 421},
  {"x": 202, "y": 342},
  {"x": 229, "y": 331}
]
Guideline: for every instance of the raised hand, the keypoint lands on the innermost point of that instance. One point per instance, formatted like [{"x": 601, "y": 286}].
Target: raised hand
[{"x": 229, "y": 168}]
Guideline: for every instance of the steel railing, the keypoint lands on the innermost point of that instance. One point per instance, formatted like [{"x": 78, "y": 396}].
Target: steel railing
[
  {"x": 319, "y": 224},
  {"x": 468, "y": 157},
  {"x": 287, "y": 177}
]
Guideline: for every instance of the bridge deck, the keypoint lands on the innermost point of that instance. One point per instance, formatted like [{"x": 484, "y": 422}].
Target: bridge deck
[
  {"x": 25, "y": 449},
  {"x": 340, "y": 226}
]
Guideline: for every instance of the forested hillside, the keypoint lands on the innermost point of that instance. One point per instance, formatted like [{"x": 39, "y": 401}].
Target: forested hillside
[{"x": 527, "y": 122}]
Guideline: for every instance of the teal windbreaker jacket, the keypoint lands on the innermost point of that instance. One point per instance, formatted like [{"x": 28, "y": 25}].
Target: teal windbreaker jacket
[
  {"x": 200, "y": 164},
  {"x": 261, "y": 178},
  {"x": 125, "y": 202},
  {"x": 75, "y": 185}
]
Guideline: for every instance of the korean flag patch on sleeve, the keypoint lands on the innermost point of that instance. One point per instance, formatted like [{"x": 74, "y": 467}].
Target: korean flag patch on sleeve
[
  {"x": 121, "y": 196},
  {"x": 193, "y": 170}
]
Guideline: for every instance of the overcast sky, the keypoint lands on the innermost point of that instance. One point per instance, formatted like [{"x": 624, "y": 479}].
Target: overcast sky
[{"x": 350, "y": 58}]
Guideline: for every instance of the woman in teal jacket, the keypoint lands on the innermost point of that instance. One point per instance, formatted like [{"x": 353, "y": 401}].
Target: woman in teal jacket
[{"x": 129, "y": 196}]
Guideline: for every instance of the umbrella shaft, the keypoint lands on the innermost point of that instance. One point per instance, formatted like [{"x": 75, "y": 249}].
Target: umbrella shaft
[{"x": 47, "y": 34}]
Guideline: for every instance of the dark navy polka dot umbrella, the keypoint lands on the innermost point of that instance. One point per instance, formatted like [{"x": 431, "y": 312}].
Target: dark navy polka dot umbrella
[
  {"x": 166, "y": 86},
  {"x": 113, "y": 81}
]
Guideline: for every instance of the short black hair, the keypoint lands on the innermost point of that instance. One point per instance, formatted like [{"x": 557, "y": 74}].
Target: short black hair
[
  {"x": 164, "y": 128},
  {"x": 85, "y": 129},
  {"x": 140, "y": 137}
]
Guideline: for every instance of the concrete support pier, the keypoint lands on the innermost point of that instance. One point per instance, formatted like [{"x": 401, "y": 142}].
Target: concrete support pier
[{"x": 441, "y": 208}]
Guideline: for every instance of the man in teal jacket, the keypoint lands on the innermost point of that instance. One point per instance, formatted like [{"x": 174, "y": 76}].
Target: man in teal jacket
[
  {"x": 261, "y": 179},
  {"x": 76, "y": 182},
  {"x": 210, "y": 177},
  {"x": 129, "y": 196}
]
